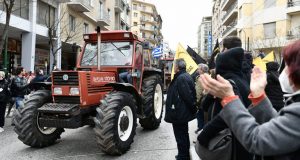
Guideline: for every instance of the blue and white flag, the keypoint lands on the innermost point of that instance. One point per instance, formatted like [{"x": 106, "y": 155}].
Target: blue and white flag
[{"x": 157, "y": 52}]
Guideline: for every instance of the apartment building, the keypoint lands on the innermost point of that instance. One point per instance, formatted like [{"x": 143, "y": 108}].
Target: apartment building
[
  {"x": 205, "y": 37},
  {"x": 146, "y": 22},
  {"x": 217, "y": 27},
  {"x": 83, "y": 16},
  {"x": 28, "y": 43},
  {"x": 268, "y": 25},
  {"x": 35, "y": 24}
]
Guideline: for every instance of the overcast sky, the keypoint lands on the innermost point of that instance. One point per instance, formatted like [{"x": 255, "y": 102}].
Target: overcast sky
[{"x": 181, "y": 19}]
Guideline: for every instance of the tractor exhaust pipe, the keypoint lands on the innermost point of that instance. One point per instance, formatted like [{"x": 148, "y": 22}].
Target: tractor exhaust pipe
[{"x": 99, "y": 48}]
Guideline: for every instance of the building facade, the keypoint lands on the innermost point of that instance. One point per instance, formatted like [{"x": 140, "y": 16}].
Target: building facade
[
  {"x": 204, "y": 37},
  {"x": 262, "y": 25},
  {"x": 268, "y": 25},
  {"x": 44, "y": 32},
  {"x": 146, "y": 22}
]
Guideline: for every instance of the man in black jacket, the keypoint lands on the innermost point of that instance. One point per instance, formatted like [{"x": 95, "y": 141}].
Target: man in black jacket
[{"x": 180, "y": 107}]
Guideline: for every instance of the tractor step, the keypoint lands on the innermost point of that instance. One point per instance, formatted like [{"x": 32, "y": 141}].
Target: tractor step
[{"x": 58, "y": 108}]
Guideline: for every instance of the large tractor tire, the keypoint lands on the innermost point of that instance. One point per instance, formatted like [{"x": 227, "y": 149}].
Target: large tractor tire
[
  {"x": 152, "y": 102},
  {"x": 115, "y": 122},
  {"x": 27, "y": 125}
]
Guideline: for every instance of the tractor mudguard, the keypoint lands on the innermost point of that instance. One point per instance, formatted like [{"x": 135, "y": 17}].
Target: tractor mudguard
[
  {"x": 40, "y": 86},
  {"x": 126, "y": 87}
]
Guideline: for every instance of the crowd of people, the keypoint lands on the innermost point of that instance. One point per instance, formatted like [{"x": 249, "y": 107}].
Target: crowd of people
[
  {"x": 14, "y": 88},
  {"x": 259, "y": 109}
]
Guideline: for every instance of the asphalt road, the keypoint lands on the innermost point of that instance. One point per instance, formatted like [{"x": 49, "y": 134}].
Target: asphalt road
[{"x": 77, "y": 144}]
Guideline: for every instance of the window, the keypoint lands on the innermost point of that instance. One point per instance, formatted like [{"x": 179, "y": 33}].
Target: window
[
  {"x": 46, "y": 14},
  {"x": 143, "y": 35},
  {"x": 86, "y": 28},
  {"x": 270, "y": 30},
  {"x": 112, "y": 54},
  {"x": 269, "y": 3},
  {"x": 135, "y": 14},
  {"x": 135, "y": 23},
  {"x": 134, "y": 6},
  {"x": 72, "y": 23},
  {"x": 21, "y": 8}
]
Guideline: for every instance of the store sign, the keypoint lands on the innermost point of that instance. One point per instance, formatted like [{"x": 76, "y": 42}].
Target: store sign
[{"x": 209, "y": 46}]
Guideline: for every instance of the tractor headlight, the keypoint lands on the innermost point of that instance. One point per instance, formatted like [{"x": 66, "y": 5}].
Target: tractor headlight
[
  {"x": 74, "y": 91},
  {"x": 57, "y": 91}
]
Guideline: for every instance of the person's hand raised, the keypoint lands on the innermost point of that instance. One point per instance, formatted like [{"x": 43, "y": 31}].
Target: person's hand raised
[
  {"x": 220, "y": 88},
  {"x": 258, "y": 82}
]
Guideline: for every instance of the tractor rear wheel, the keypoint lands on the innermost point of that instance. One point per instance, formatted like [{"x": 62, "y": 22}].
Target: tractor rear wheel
[
  {"x": 152, "y": 102},
  {"x": 115, "y": 122},
  {"x": 27, "y": 124}
]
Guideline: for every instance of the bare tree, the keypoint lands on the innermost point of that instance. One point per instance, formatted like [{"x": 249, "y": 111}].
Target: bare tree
[
  {"x": 68, "y": 33},
  {"x": 8, "y": 6}
]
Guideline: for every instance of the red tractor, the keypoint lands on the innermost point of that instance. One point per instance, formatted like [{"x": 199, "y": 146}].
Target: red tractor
[
  {"x": 166, "y": 64},
  {"x": 113, "y": 85}
]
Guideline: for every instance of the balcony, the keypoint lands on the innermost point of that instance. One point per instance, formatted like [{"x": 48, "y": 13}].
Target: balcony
[
  {"x": 293, "y": 7},
  {"x": 227, "y": 4},
  {"x": 104, "y": 19},
  {"x": 230, "y": 15},
  {"x": 147, "y": 29},
  {"x": 119, "y": 6},
  {"x": 80, "y": 5},
  {"x": 145, "y": 10},
  {"x": 230, "y": 30},
  {"x": 143, "y": 19}
]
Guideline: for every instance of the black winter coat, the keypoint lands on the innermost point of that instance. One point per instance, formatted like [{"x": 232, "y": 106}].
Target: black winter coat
[
  {"x": 273, "y": 88},
  {"x": 4, "y": 92},
  {"x": 229, "y": 66},
  {"x": 181, "y": 99}
]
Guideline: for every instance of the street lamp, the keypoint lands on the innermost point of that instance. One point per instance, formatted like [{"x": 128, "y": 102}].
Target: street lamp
[{"x": 246, "y": 47}]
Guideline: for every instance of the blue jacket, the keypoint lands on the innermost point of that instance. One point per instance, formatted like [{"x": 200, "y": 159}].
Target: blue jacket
[{"x": 181, "y": 99}]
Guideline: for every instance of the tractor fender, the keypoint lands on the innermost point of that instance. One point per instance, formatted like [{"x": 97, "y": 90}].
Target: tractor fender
[
  {"x": 40, "y": 86},
  {"x": 151, "y": 71},
  {"x": 129, "y": 88}
]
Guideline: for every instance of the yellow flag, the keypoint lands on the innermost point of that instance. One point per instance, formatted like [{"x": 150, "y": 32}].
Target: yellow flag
[
  {"x": 191, "y": 66},
  {"x": 259, "y": 63},
  {"x": 269, "y": 58}
]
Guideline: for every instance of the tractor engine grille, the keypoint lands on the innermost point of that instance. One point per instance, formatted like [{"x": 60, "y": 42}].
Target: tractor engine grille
[
  {"x": 96, "y": 89},
  {"x": 67, "y": 99},
  {"x": 72, "y": 79}
]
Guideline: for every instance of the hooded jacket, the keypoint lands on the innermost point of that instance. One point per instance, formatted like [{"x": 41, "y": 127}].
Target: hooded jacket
[
  {"x": 229, "y": 66},
  {"x": 273, "y": 88}
]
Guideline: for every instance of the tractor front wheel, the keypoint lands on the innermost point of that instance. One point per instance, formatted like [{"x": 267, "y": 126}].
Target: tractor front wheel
[
  {"x": 27, "y": 124},
  {"x": 115, "y": 122}
]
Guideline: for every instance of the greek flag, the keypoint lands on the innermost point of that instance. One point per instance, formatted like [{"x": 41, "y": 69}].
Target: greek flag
[{"x": 157, "y": 52}]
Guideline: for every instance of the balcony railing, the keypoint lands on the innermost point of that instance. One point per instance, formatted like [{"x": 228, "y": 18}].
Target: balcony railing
[
  {"x": 80, "y": 5},
  {"x": 147, "y": 28},
  {"x": 293, "y": 3},
  {"x": 118, "y": 6},
  {"x": 229, "y": 11},
  {"x": 229, "y": 28},
  {"x": 104, "y": 19}
]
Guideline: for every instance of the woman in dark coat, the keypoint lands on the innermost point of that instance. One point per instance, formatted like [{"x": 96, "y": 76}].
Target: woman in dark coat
[
  {"x": 273, "y": 88},
  {"x": 228, "y": 65},
  {"x": 4, "y": 96}
]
